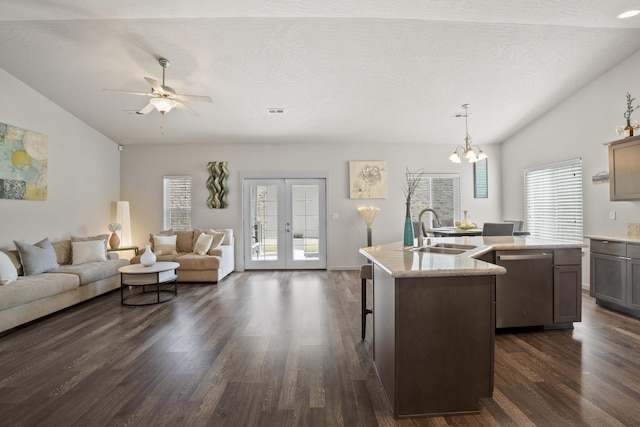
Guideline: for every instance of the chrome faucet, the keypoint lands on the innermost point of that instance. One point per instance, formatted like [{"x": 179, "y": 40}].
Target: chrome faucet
[{"x": 420, "y": 236}]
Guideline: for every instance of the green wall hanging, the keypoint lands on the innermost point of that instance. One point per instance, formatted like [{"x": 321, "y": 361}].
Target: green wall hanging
[{"x": 217, "y": 185}]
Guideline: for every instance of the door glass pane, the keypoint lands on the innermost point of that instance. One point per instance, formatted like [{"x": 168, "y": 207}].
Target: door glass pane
[
  {"x": 305, "y": 217},
  {"x": 264, "y": 222}
]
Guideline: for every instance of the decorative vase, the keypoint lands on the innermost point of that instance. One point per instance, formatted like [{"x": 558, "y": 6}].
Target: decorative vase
[
  {"x": 148, "y": 258},
  {"x": 628, "y": 131},
  {"x": 465, "y": 219},
  {"x": 114, "y": 241},
  {"x": 408, "y": 227}
]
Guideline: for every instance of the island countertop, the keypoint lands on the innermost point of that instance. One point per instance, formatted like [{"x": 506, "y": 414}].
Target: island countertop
[{"x": 401, "y": 261}]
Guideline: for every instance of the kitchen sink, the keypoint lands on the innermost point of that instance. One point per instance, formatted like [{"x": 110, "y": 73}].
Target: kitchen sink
[
  {"x": 453, "y": 246},
  {"x": 439, "y": 250}
]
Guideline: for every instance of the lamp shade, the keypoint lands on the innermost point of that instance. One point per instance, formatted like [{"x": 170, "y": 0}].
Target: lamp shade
[{"x": 124, "y": 219}]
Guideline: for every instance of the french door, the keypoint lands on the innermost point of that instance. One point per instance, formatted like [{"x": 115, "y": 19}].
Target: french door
[{"x": 284, "y": 223}]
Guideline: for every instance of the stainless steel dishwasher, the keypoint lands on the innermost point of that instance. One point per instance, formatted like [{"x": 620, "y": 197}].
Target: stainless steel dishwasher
[{"x": 524, "y": 296}]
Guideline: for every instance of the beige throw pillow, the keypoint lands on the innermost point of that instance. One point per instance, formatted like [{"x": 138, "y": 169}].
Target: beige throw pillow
[
  {"x": 218, "y": 239},
  {"x": 203, "y": 244},
  {"x": 164, "y": 245},
  {"x": 89, "y": 251},
  {"x": 228, "y": 235}
]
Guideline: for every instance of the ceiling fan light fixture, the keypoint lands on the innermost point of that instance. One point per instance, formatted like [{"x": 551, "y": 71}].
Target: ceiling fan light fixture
[
  {"x": 629, "y": 14},
  {"x": 164, "y": 105}
]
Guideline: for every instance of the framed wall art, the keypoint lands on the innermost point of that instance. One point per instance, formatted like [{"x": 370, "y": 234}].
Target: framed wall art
[
  {"x": 23, "y": 163},
  {"x": 367, "y": 179}
]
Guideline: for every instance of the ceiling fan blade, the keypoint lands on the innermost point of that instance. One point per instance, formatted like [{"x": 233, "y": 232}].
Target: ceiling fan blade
[
  {"x": 183, "y": 107},
  {"x": 127, "y": 92},
  {"x": 147, "y": 109},
  {"x": 197, "y": 98},
  {"x": 154, "y": 84}
]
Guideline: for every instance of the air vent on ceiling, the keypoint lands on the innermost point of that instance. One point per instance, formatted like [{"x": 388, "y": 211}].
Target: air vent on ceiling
[
  {"x": 275, "y": 110},
  {"x": 132, "y": 112}
]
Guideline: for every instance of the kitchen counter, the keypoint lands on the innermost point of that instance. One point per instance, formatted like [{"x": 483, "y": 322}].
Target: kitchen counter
[
  {"x": 435, "y": 319},
  {"x": 400, "y": 261},
  {"x": 615, "y": 237}
]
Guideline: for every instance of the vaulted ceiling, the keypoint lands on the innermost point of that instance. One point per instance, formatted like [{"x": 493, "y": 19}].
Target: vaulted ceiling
[{"x": 362, "y": 71}]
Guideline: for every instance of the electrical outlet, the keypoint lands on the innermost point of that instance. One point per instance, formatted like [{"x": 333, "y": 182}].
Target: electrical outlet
[{"x": 612, "y": 214}]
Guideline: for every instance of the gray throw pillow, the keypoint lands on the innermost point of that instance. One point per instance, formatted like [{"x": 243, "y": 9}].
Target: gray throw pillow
[{"x": 37, "y": 258}]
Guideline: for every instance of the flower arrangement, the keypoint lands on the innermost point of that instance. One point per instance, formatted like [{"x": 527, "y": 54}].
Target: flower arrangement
[
  {"x": 628, "y": 130},
  {"x": 630, "y": 108},
  {"x": 413, "y": 179},
  {"x": 114, "y": 227}
]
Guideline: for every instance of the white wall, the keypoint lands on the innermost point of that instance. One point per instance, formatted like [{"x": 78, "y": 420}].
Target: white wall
[
  {"x": 83, "y": 171},
  {"x": 143, "y": 167},
  {"x": 578, "y": 127}
]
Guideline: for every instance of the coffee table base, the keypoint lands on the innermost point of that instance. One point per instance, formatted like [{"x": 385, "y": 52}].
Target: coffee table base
[{"x": 168, "y": 295}]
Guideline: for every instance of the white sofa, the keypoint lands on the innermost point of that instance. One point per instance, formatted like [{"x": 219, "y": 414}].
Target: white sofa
[
  {"x": 33, "y": 296},
  {"x": 210, "y": 267}
]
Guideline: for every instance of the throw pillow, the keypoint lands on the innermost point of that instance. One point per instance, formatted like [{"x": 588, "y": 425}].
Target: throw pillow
[
  {"x": 89, "y": 251},
  {"x": 37, "y": 258},
  {"x": 218, "y": 238},
  {"x": 161, "y": 233},
  {"x": 164, "y": 245},
  {"x": 8, "y": 272},
  {"x": 103, "y": 237},
  {"x": 203, "y": 244},
  {"x": 228, "y": 236}
]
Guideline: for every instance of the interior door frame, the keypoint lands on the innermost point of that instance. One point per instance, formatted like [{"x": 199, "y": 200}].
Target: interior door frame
[{"x": 291, "y": 175}]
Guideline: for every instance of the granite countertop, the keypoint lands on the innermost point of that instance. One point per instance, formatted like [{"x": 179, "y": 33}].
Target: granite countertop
[
  {"x": 615, "y": 237},
  {"x": 402, "y": 262}
]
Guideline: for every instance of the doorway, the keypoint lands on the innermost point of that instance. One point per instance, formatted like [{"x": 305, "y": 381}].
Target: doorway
[{"x": 285, "y": 223}]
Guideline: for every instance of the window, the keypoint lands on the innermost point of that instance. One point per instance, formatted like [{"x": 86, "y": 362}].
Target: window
[
  {"x": 440, "y": 192},
  {"x": 177, "y": 202},
  {"x": 553, "y": 200}
]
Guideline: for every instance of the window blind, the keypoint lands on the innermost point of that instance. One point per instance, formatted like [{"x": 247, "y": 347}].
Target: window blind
[
  {"x": 553, "y": 200},
  {"x": 177, "y": 202},
  {"x": 441, "y": 192}
]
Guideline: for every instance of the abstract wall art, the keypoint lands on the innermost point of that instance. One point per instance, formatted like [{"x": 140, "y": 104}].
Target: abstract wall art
[
  {"x": 23, "y": 164},
  {"x": 367, "y": 180},
  {"x": 217, "y": 185}
]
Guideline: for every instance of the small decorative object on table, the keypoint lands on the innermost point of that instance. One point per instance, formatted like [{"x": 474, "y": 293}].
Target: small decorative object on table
[
  {"x": 148, "y": 258},
  {"x": 413, "y": 179},
  {"x": 466, "y": 223},
  {"x": 114, "y": 240}
]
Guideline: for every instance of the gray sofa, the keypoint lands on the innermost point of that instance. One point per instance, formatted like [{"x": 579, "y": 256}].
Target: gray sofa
[{"x": 33, "y": 296}]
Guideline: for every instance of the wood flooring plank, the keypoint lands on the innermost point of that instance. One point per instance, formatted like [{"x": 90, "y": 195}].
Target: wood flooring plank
[{"x": 283, "y": 348}]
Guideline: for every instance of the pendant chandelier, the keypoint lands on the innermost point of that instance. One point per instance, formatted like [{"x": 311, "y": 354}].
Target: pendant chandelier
[{"x": 471, "y": 152}]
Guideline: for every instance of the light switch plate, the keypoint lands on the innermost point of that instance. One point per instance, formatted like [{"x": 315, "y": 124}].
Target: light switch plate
[{"x": 612, "y": 214}]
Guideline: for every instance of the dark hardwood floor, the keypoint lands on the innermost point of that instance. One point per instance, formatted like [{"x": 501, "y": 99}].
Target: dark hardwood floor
[{"x": 284, "y": 348}]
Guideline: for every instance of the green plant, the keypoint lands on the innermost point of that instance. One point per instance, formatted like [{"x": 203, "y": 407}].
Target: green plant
[{"x": 298, "y": 235}]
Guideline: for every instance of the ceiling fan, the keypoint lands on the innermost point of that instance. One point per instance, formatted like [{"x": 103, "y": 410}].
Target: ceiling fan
[{"x": 164, "y": 98}]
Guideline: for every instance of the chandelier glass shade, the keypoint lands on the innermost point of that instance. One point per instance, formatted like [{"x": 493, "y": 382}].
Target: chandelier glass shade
[{"x": 471, "y": 152}]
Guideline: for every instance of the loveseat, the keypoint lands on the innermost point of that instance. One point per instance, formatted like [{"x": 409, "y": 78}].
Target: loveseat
[
  {"x": 198, "y": 263},
  {"x": 75, "y": 270}
]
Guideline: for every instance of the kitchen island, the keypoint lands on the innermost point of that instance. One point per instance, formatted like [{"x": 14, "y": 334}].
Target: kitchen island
[{"x": 434, "y": 320}]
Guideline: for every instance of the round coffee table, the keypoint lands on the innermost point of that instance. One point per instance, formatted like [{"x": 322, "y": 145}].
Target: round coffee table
[{"x": 137, "y": 275}]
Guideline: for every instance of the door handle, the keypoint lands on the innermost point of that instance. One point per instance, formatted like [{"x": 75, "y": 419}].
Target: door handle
[{"x": 523, "y": 257}]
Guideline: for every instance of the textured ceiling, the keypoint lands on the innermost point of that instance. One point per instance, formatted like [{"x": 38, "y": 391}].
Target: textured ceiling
[{"x": 360, "y": 71}]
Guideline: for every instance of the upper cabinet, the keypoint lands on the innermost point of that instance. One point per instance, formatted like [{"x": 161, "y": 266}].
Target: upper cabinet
[{"x": 624, "y": 170}]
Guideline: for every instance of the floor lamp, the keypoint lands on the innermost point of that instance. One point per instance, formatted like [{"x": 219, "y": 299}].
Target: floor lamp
[
  {"x": 124, "y": 219},
  {"x": 369, "y": 215}
]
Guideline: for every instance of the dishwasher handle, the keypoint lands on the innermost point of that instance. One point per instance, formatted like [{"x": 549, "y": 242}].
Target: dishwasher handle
[{"x": 524, "y": 257}]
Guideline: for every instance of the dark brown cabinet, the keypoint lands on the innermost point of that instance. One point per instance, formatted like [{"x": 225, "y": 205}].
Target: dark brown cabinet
[
  {"x": 567, "y": 285},
  {"x": 624, "y": 174},
  {"x": 541, "y": 288},
  {"x": 615, "y": 275}
]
